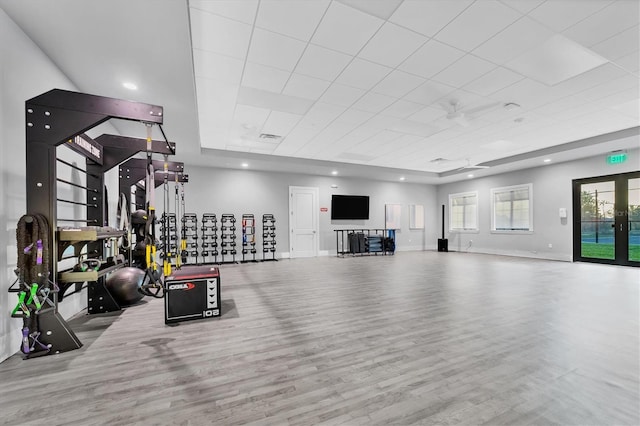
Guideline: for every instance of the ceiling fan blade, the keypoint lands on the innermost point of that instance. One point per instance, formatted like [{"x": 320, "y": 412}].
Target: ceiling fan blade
[
  {"x": 475, "y": 167},
  {"x": 481, "y": 108},
  {"x": 461, "y": 119}
]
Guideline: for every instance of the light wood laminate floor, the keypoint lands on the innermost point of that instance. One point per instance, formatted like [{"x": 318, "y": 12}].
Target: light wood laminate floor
[{"x": 415, "y": 338}]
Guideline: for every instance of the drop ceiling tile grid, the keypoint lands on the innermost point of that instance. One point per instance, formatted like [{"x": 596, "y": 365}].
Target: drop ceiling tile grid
[
  {"x": 428, "y": 17},
  {"x": 345, "y": 29},
  {"x": 323, "y": 63},
  {"x": 619, "y": 45},
  {"x": 523, "y": 6},
  {"x": 397, "y": 84},
  {"x": 521, "y": 36},
  {"x": 402, "y": 109},
  {"x": 349, "y": 140},
  {"x": 374, "y": 102},
  {"x": 431, "y": 58},
  {"x": 607, "y": 22},
  {"x": 296, "y": 139},
  {"x": 275, "y": 16},
  {"x": 280, "y": 123},
  {"x": 477, "y": 23},
  {"x": 496, "y": 79},
  {"x": 263, "y": 77},
  {"x": 249, "y": 117},
  {"x": 404, "y": 141},
  {"x": 463, "y": 71},
  {"x": 305, "y": 87},
  {"x": 361, "y": 75},
  {"x": 429, "y": 92},
  {"x": 275, "y": 50},
  {"x": 242, "y": 11},
  {"x": 630, "y": 62},
  {"x": 321, "y": 144},
  {"x": 391, "y": 45},
  {"x": 221, "y": 35},
  {"x": 217, "y": 67},
  {"x": 382, "y": 9},
  {"x": 560, "y": 15}
]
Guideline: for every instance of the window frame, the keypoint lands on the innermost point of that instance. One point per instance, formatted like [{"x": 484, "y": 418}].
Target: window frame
[
  {"x": 477, "y": 214},
  {"x": 512, "y": 188}
]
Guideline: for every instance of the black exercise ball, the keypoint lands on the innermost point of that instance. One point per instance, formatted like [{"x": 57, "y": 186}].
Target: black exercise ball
[{"x": 123, "y": 284}]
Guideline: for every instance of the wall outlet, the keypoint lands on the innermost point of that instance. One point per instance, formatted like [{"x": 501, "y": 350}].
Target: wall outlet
[{"x": 550, "y": 245}]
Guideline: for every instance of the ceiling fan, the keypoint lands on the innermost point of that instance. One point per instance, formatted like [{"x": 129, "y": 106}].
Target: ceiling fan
[
  {"x": 470, "y": 166},
  {"x": 457, "y": 113},
  {"x": 467, "y": 166}
]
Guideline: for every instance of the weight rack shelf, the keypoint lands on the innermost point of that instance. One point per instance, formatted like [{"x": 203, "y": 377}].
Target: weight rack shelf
[{"x": 87, "y": 276}]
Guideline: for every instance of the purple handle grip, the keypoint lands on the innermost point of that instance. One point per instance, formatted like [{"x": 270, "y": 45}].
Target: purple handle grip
[{"x": 25, "y": 340}]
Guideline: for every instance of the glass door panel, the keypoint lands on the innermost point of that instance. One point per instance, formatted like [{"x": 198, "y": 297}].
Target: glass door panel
[
  {"x": 597, "y": 217},
  {"x": 633, "y": 217}
]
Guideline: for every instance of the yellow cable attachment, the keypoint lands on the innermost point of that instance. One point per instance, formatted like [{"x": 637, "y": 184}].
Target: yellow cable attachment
[
  {"x": 148, "y": 255},
  {"x": 153, "y": 255}
]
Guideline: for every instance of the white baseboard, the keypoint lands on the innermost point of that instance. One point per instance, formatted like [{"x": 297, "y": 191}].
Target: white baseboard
[{"x": 563, "y": 257}]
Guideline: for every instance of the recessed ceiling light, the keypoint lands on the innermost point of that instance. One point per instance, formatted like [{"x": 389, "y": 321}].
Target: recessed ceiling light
[
  {"x": 245, "y": 165},
  {"x": 129, "y": 85},
  {"x": 335, "y": 172},
  {"x": 402, "y": 178},
  {"x": 547, "y": 160},
  {"x": 470, "y": 175}
]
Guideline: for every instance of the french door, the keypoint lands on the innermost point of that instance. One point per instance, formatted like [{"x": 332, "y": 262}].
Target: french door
[{"x": 606, "y": 219}]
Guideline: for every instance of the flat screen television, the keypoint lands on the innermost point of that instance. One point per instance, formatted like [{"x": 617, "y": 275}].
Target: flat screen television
[{"x": 349, "y": 207}]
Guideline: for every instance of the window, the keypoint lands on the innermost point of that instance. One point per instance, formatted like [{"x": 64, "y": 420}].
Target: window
[
  {"x": 512, "y": 208},
  {"x": 463, "y": 212}
]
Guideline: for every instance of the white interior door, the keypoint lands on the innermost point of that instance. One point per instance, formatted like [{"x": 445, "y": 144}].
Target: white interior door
[{"x": 303, "y": 221}]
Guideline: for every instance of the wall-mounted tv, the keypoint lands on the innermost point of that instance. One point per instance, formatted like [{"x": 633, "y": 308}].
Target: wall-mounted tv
[{"x": 349, "y": 207}]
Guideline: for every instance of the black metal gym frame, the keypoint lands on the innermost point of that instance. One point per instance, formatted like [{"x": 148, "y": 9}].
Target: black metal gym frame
[
  {"x": 134, "y": 170},
  {"x": 116, "y": 149},
  {"x": 52, "y": 119}
]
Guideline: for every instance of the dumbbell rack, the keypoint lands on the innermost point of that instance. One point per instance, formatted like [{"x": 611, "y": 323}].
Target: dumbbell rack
[
  {"x": 190, "y": 233},
  {"x": 209, "y": 234},
  {"x": 268, "y": 237},
  {"x": 228, "y": 238},
  {"x": 168, "y": 222},
  {"x": 248, "y": 238}
]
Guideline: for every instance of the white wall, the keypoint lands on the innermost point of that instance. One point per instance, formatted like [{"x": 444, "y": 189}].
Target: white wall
[
  {"x": 25, "y": 72},
  {"x": 251, "y": 192},
  {"x": 551, "y": 191}
]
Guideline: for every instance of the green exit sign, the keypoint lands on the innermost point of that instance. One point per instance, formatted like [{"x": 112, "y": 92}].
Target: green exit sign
[{"x": 617, "y": 158}]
